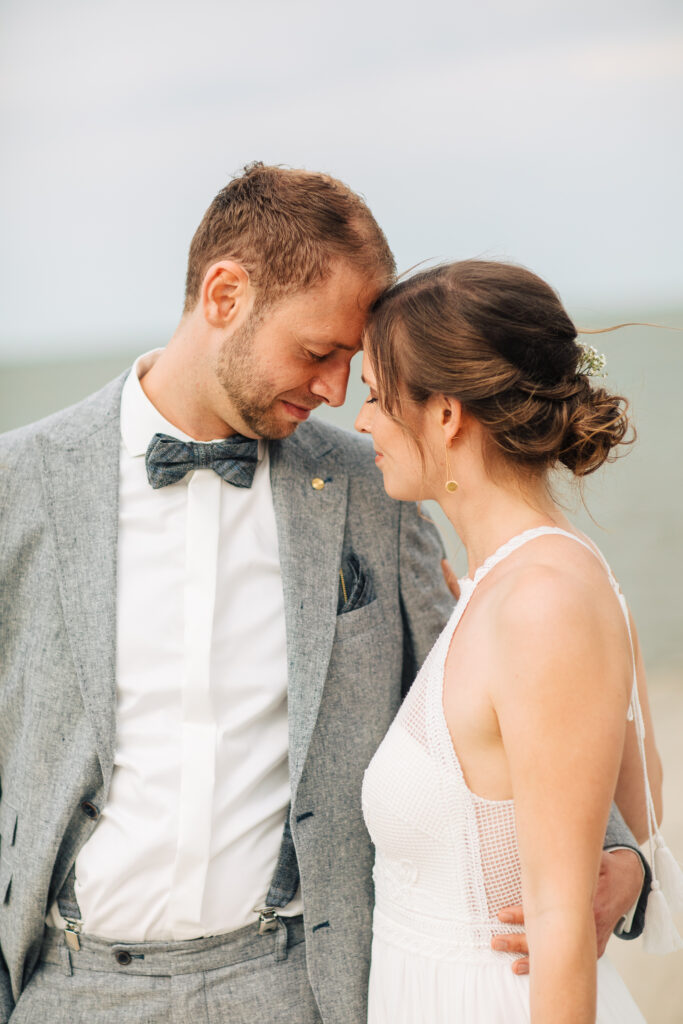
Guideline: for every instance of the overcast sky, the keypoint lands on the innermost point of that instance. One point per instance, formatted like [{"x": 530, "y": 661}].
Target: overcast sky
[{"x": 545, "y": 131}]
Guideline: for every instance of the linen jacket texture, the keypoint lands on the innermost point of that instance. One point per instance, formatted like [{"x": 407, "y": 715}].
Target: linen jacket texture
[{"x": 348, "y": 665}]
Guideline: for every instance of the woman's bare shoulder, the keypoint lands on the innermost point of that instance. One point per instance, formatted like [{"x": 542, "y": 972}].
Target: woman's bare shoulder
[{"x": 555, "y": 607}]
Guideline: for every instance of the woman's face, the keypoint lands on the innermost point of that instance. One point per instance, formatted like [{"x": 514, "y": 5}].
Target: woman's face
[{"x": 406, "y": 476}]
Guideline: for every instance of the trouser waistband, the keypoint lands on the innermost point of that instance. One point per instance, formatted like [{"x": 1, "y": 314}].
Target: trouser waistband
[{"x": 172, "y": 958}]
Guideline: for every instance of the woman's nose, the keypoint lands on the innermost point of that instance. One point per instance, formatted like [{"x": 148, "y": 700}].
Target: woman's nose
[{"x": 361, "y": 424}]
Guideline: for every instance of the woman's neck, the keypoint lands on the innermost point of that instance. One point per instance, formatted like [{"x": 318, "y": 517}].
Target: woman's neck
[{"x": 489, "y": 514}]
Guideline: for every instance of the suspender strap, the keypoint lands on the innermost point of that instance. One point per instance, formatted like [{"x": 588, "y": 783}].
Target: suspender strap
[
  {"x": 70, "y": 911},
  {"x": 282, "y": 890}
]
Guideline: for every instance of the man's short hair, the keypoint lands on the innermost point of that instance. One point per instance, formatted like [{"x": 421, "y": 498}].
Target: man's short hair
[{"x": 285, "y": 227}]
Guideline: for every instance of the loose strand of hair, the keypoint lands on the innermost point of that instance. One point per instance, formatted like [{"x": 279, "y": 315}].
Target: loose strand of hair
[{"x": 630, "y": 323}]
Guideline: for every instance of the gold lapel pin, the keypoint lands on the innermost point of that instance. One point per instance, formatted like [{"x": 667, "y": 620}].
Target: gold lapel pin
[{"x": 317, "y": 484}]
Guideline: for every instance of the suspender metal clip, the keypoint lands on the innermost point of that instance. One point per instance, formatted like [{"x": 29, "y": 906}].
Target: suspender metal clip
[
  {"x": 267, "y": 920},
  {"x": 72, "y": 929}
]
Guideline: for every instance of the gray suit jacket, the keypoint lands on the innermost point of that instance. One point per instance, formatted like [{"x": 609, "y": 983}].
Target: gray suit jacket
[
  {"x": 59, "y": 495},
  {"x": 58, "y": 537}
]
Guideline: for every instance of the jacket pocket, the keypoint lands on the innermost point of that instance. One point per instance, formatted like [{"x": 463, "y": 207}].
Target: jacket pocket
[
  {"x": 358, "y": 621},
  {"x": 356, "y": 589}
]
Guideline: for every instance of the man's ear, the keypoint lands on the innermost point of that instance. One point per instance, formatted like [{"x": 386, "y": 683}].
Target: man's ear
[{"x": 226, "y": 293}]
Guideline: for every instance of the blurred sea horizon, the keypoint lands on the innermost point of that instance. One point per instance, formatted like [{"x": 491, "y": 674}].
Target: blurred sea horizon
[{"x": 632, "y": 507}]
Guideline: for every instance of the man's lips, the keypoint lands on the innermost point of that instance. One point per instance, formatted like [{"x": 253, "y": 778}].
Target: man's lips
[
  {"x": 378, "y": 456},
  {"x": 301, "y": 412}
]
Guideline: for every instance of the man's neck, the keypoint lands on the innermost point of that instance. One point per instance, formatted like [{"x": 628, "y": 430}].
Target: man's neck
[{"x": 177, "y": 386}]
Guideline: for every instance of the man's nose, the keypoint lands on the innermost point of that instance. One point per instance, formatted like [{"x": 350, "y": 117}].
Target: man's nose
[{"x": 330, "y": 384}]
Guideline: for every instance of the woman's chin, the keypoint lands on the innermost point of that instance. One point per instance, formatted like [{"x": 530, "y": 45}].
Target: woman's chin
[{"x": 402, "y": 490}]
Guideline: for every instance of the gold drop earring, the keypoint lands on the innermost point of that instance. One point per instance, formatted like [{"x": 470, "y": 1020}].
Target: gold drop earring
[{"x": 451, "y": 484}]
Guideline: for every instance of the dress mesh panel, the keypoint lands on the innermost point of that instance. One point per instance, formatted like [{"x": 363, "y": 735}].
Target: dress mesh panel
[{"x": 445, "y": 859}]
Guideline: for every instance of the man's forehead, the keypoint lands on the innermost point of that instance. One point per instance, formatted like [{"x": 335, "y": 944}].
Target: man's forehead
[
  {"x": 330, "y": 313},
  {"x": 344, "y": 288},
  {"x": 339, "y": 325}
]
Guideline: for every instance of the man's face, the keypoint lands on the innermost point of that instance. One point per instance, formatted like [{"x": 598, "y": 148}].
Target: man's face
[{"x": 279, "y": 366}]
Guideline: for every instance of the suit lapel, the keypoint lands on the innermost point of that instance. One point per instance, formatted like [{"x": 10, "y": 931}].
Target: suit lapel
[
  {"x": 81, "y": 483},
  {"x": 310, "y": 525}
]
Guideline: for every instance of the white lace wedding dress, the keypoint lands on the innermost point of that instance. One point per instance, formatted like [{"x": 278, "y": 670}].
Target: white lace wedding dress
[{"x": 446, "y": 862}]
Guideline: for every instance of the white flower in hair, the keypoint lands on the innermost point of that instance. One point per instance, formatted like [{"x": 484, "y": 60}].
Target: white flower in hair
[{"x": 591, "y": 362}]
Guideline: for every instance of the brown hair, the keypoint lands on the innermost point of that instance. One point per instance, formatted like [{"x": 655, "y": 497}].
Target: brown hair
[
  {"x": 284, "y": 227},
  {"x": 496, "y": 337}
]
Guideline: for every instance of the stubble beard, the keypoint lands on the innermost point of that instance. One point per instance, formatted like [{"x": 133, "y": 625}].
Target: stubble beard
[{"x": 250, "y": 393}]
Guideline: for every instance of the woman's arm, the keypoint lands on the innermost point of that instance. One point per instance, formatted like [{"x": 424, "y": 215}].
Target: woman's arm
[{"x": 561, "y": 695}]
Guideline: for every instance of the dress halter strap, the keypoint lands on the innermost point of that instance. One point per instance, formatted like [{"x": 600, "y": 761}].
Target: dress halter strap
[
  {"x": 521, "y": 539},
  {"x": 660, "y": 933}
]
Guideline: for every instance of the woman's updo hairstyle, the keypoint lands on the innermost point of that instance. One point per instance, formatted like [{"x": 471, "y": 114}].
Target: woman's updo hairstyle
[{"x": 497, "y": 338}]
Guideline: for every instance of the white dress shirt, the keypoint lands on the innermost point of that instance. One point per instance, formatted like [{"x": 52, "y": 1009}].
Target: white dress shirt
[{"x": 188, "y": 840}]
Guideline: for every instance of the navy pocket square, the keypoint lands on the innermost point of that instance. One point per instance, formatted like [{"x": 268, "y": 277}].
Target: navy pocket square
[{"x": 356, "y": 588}]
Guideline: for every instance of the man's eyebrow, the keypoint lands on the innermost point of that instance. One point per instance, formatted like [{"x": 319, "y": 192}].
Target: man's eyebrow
[
  {"x": 346, "y": 348},
  {"x": 333, "y": 344}
]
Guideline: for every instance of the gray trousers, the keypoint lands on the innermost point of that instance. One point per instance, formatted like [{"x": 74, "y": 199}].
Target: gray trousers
[{"x": 227, "y": 979}]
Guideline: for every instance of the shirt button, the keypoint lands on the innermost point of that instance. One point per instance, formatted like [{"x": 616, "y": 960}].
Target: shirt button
[
  {"x": 122, "y": 957},
  {"x": 89, "y": 808}
]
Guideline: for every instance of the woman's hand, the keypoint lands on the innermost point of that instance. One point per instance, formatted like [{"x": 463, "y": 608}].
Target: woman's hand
[
  {"x": 619, "y": 885},
  {"x": 451, "y": 579}
]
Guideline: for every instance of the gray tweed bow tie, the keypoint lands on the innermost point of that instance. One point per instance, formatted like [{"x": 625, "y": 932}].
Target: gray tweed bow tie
[{"x": 168, "y": 459}]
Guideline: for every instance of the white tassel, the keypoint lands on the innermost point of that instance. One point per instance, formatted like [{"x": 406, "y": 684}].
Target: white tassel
[
  {"x": 670, "y": 875},
  {"x": 660, "y": 934}
]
